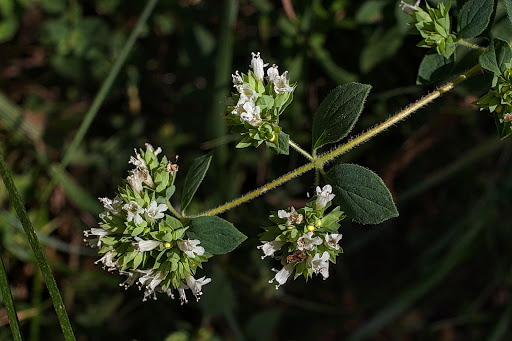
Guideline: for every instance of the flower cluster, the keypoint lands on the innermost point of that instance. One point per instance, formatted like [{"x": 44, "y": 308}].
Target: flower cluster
[
  {"x": 257, "y": 104},
  {"x": 434, "y": 26},
  {"x": 499, "y": 98},
  {"x": 304, "y": 240},
  {"x": 137, "y": 238}
]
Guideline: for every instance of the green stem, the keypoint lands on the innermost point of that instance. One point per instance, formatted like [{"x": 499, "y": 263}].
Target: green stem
[
  {"x": 104, "y": 90},
  {"x": 9, "y": 303},
  {"x": 320, "y": 161},
  {"x": 470, "y": 45},
  {"x": 300, "y": 150},
  {"x": 16, "y": 201},
  {"x": 173, "y": 210}
]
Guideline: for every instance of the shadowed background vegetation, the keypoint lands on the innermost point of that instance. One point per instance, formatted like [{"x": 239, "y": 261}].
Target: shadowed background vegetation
[{"x": 440, "y": 271}]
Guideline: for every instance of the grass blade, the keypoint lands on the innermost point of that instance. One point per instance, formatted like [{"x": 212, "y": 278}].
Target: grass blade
[
  {"x": 9, "y": 303},
  {"x": 16, "y": 201}
]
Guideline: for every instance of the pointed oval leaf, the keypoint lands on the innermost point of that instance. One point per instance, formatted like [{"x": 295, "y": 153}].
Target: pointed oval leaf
[
  {"x": 434, "y": 67},
  {"x": 194, "y": 178},
  {"x": 508, "y": 6},
  {"x": 217, "y": 235},
  {"x": 361, "y": 193},
  {"x": 338, "y": 113},
  {"x": 496, "y": 58},
  {"x": 474, "y": 17}
]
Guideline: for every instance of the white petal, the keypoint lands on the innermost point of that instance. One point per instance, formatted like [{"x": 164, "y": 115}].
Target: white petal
[
  {"x": 269, "y": 248},
  {"x": 283, "y": 214},
  {"x": 282, "y": 275}
]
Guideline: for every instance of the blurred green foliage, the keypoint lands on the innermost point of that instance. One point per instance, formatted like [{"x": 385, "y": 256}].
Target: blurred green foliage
[{"x": 441, "y": 270}]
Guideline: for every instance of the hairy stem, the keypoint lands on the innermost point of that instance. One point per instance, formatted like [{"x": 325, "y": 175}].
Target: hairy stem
[
  {"x": 173, "y": 210},
  {"x": 470, "y": 45},
  {"x": 300, "y": 150},
  {"x": 317, "y": 163}
]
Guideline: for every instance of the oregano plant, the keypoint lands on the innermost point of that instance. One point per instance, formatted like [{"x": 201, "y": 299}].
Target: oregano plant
[{"x": 159, "y": 248}]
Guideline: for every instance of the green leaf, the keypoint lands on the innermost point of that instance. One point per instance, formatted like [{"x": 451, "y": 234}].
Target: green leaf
[
  {"x": 8, "y": 28},
  {"x": 217, "y": 235},
  {"x": 283, "y": 144},
  {"x": 194, "y": 178},
  {"x": 361, "y": 193},
  {"x": 508, "y": 6},
  {"x": 474, "y": 17},
  {"x": 496, "y": 58},
  {"x": 338, "y": 113},
  {"x": 434, "y": 67}
]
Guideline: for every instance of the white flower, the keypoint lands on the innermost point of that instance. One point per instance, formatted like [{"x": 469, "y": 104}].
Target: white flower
[
  {"x": 134, "y": 212},
  {"x": 251, "y": 114},
  {"x": 237, "y": 79},
  {"x": 111, "y": 206},
  {"x": 320, "y": 264},
  {"x": 135, "y": 180},
  {"x": 154, "y": 212},
  {"x": 181, "y": 292},
  {"x": 323, "y": 196},
  {"x": 272, "y": 73},
  {"x": 95, "y": 231},
  {"x": 145, "y": 245},
  {"x": 196, "y": 284},
  {"x": 282, "y": 275},
  {"x": 107, "y": 261},
  {"x": 269, "y": 248},
  {"x": 280, "y": 82},
  {"x": 407, "y": 8},
  {"x": 257, "y": 66},
  {"x": 151, "y": 280},
  {"x": 307, "y": 242},
  {"x": 133, "y": 277},
  {"x": 292, "y": 217},
  {"x": 247, "y": 94},
  {"x": 191, "y": 247},
  {"x": 331, "y": 240},
  {"x": 138, "y": 162},
  {"x": 141, "y": 173},
  {"x": 151, "y": 149}
]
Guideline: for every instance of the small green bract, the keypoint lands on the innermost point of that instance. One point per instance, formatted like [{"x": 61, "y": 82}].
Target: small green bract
[{"x": 434, "y": 26}]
